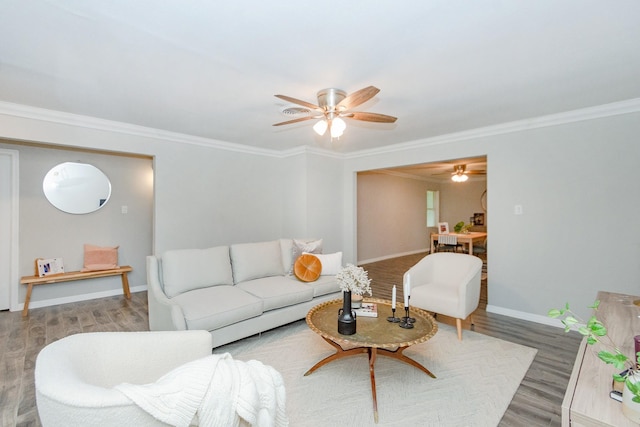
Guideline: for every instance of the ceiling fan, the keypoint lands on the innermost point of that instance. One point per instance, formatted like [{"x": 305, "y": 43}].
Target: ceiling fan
[
  {"x": 333, "y": 105},
  {"x": 460, "y": 173}
]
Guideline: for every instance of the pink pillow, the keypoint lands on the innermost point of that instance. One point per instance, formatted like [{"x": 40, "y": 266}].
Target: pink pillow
[{"x": 100, "y": 258}]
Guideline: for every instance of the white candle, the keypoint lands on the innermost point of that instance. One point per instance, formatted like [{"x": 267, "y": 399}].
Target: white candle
[
  {"x": 393, "y": 297},
  {"x": 408, "y": 285},
  {"x": 405, "y": 290}
]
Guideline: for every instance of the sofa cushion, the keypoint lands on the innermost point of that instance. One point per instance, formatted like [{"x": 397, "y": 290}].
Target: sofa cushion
[
  {"x": 184, "y": 270},
  {"x": 217, "y": 306},
  {"x": 324, "y": 285},
  {"x": 331, "y": 263},
  {"x": 255, "y": 260},
  {"x": 278, "y": 291}
]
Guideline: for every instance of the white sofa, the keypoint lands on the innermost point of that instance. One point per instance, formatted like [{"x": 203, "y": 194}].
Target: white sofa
[{"x": 231, "y": 291}]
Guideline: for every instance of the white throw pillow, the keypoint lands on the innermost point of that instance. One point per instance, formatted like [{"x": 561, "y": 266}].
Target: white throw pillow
[
  {"x": 331, "y": 263},
  {"x": 299, "y": 246}
]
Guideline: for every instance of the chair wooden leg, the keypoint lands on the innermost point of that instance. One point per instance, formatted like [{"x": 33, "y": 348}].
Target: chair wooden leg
[{"x": 459, "y": 327}]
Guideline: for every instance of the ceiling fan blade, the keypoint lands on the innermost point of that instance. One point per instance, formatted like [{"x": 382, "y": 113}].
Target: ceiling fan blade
[
  {"x": 299, "y": 102},
  {"x": 290, "y": 122},
  {"x": 476, "y": 172},
  {"x": 358, "y": 97},
  {"x": 371, "y": 117}
]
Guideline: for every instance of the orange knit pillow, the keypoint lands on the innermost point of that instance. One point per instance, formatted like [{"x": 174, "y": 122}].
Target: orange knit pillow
[{"x": 307, "y": 268}]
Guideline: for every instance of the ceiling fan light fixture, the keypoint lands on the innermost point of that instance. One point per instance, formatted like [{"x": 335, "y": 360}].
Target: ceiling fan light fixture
[
  {"x": 337, "y": 127},
  {"x": 320, "y": 127},
  {"x": 459, "y": 178},
  {"x": 332, "y": 105}
]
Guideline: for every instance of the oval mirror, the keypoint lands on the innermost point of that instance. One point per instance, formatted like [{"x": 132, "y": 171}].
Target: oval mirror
[{"x": 76, "y": 188}]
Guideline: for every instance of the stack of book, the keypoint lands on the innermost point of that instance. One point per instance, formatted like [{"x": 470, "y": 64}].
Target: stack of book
[{"x": 368, "y": 309}]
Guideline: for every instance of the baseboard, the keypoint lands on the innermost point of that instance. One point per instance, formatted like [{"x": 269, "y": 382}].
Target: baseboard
[
  {"x": 78, "y": 298},
  {"x": 537, "y": 318},
  {"x": 386, "y": 257}
]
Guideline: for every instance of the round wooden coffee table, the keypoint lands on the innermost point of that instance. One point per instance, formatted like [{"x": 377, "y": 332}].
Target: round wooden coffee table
[{"x": 374, "y": 335}]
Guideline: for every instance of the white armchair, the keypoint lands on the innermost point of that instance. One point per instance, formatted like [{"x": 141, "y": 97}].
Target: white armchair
[
  {"x": 75, "y": 376},
  {"x": 446, "y": 283}
]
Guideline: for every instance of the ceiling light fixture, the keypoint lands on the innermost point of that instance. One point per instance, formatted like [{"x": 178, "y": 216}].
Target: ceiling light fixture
[
  {"x": 337, "y": 127},
  {"x": 333, "y": 104},
  {"x": 459, "y": 178},
  {"x": 320, "y": 127},
  {"x": 459, "y": 173}
]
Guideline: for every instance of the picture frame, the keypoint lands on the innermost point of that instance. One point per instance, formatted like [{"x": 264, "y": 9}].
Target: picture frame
[
  {"x": 49, "y": 267},
  {"x": 478, "y": 218},
  {"x": 443, "y": 228}
]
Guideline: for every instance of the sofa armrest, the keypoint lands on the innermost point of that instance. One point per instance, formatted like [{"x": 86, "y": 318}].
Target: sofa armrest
[
  {"x": 164, "y": 315},
  {"x": 470, "y": 288}
]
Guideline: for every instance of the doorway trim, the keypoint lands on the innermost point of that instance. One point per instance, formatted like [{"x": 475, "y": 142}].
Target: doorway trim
[{"x": 13, "y": 199}]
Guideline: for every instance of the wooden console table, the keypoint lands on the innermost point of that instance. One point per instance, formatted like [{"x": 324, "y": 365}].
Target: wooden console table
[
  {"x": 74, "y": 275},
  {"x": 586, "y": 401}
]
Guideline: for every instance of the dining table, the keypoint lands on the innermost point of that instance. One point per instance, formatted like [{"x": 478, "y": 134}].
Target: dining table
[{"x": 468, "y": 239}]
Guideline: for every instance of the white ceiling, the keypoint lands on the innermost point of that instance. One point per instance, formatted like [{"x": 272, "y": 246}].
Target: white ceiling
[{"x": 211, "y": 69}]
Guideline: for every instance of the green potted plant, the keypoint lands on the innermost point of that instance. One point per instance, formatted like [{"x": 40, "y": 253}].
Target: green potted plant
[
  {"x": 461, "y": 227},
  {"x": 596, "y": 332}
]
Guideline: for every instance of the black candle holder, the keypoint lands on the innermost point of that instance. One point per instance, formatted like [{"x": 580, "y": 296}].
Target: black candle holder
[
  {"x": 393, "y": 318},
  {"x": 406, "y": 322},
  {"x": 411, "y": 319}
]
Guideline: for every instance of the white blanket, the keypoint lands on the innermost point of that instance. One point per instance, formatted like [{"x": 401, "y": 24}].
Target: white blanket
[{"x": 214, "y": 391}]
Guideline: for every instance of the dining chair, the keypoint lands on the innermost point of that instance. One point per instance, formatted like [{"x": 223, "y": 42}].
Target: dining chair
[{"x": 448, "y": 243}]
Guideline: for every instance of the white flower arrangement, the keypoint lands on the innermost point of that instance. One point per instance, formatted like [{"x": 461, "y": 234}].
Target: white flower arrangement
[{"x": 354, "y": 279}]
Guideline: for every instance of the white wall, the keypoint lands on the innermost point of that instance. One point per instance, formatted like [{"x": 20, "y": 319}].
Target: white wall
[
  {"x": 578, "y": 185},
  {"x": 460, "y": 200},
  {"x": 207, "y": 197},
  {"x": 391, "y": 216}
]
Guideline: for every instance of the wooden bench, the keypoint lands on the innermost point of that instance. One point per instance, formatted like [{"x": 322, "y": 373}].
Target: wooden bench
[{"x": 74, "y": 275}]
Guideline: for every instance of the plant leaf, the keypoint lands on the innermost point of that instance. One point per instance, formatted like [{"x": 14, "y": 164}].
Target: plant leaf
[
  {"x": 570, "y": 320},
  {"x": 618, "y": 360},
  {"x": 618, "y": 378},
  {"x": 553, "y": 313},
  {"x": 584, "y": 331}
]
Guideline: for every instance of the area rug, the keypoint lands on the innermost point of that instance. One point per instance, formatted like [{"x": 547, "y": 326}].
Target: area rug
[{"x": 476, "y": 379}]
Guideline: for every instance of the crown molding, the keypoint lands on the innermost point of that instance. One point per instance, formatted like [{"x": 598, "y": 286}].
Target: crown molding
[
  {"x": 88, "y": 122},
  {"x": 59, "y": 117},
  {"x": 590, "y": 113}
]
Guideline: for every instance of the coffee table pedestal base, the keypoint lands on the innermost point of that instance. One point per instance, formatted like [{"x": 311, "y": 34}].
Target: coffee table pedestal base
[{"x": 373, "y": 353}]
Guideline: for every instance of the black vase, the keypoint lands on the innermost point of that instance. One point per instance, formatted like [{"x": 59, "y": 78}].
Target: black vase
[{"x": 346, "y": 316}]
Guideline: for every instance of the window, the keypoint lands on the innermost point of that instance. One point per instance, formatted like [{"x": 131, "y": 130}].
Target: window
[{"x": 433, "y": 208}]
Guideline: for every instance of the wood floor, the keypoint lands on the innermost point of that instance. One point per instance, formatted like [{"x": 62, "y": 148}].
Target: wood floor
[{"x": 536, "y": 403}]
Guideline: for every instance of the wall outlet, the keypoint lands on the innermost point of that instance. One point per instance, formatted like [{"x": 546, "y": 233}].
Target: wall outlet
[
  {"x": 124, "y": 209},
  {"x": 517, "y": 210}
]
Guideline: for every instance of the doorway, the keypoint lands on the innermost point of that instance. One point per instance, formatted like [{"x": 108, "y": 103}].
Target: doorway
[
  {"x": 392, "y": 205},
  {"x": 391, "y": 210}
]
